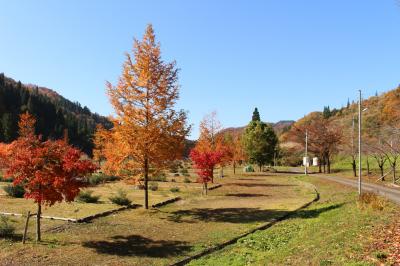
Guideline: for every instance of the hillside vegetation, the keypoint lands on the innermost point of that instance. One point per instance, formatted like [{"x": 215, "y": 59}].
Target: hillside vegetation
[
  {"x": 380, "y": 133},
  {"x": 54, "y": 114}
]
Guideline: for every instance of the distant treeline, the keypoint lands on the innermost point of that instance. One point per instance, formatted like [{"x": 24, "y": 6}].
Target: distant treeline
[{"x": 55, "y": 114}]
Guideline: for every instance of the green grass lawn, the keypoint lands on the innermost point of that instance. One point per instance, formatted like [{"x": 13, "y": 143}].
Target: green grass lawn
[{"x": 333, "y": 231}]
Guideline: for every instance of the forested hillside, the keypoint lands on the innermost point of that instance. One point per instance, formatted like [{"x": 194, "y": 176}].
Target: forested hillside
[
  {"x": 54, "y": 114},
  {"x": 333, "y": 132}
]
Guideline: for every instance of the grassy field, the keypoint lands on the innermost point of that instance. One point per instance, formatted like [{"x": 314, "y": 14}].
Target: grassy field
[
  {"x": 79, "y": 210},
  {"x": 165, "y": 235},
  {"x": 333, "y": 231},
  {"x": 342, "y": 165}
]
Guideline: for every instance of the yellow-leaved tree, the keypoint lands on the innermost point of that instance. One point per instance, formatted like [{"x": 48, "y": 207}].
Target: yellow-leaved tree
[{"x": 148, "y": 131}]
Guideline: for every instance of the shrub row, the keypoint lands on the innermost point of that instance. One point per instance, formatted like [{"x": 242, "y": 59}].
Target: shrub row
[{"x": 99, "y": 178}]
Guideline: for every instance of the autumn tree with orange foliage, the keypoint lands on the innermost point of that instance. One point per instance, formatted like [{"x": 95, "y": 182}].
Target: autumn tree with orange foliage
[
  {"x": 49, "y": 171},
  {"x": 324, "y": 138},
  {"x": 210, "y": 143},
  {"x": 232, "y": 149},
  {"x": 238, "y": 152},
  {"x": 148, "y": 132}
]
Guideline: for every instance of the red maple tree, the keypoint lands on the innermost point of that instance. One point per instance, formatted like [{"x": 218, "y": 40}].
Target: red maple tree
[
  {"x": 49, "y": 171},
  {"x": 204, "y": 163}
]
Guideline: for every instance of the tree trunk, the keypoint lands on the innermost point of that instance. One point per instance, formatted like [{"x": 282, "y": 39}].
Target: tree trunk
[
  {"x": 146, "y": 183},
  {"x": 212, "y": 175},
  {"x": 38, "y": 214},
  {"x": 234, "y": 168},
  {"x": 205, "y": 188},
  {"x": 329, "y": 164},
  {"x": 260, "y": 167},
  {"x": 382, "y": 174},
  {"x": 354, "y": 166},
  {"x": 319, "y": 167},
  {"x": 368, "y": 172}
]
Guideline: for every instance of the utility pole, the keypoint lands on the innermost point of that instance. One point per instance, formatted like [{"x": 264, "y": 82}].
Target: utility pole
[
  {"x": 352, "y": 136},
  {"x": 359, "y": 144},
  {"x": 306, "y": 156}
]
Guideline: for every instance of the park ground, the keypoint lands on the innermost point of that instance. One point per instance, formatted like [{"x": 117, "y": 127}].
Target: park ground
[{"x": 335, "y": 230}]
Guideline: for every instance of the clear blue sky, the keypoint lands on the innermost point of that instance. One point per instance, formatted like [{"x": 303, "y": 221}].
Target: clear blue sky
[{"x": 285, "y": 57}]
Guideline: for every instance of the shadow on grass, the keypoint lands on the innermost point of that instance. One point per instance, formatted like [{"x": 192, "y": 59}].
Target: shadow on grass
[
  {"x": 12, "y": 237},
  {"x": 257, "y": 185},
  {"x": 246, "y": 195},
  {"x": 242, "y": 215},
  {"x": 314, "y": 213},
  {"x": 259, "y": 174},
  {"x": 135, "y": 245},
  {"x": 225, "y": 215}
]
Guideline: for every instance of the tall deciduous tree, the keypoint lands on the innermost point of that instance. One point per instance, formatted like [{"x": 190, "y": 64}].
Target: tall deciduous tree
[
  {"x": 210, "y": 140},
  {"x": 324, "y": 137},
  {"x": 260, "y": 142},
  {"x": 50, "y": 171},
  {"x": 148, "y": 132},
  {"x": 239, "y": 154}
]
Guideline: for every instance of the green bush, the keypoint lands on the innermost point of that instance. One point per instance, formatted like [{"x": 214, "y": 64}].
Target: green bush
[
  {"x": 6, "y": 228},
  {"x": 174, "y": 189},
  {"x": 187, "y": 180},
  {"x": 248, "y": 169},
  {"x": 121, "y": 198},
  {"x": 153, "y": 186},
  {"x": 99, "y": 178},
  {"x": 14, "y": 191},
  {"x": 87, "y": 197},
  {"x": 176, "y": 174}
]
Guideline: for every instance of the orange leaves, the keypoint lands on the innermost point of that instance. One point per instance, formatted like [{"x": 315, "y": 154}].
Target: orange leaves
[
  {"x": 391, "y": 106},
  {"x": 146, "y": 126},
  {"x": 26, "y": 125}
]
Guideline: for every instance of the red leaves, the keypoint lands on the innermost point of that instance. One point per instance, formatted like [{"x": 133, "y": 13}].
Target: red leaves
[
  {"x": 205, "y": 162},
  {"x": 50, "y": 171}
]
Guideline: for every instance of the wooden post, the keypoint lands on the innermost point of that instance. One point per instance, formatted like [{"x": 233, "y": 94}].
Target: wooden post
[{"x": 26, "y": 227}]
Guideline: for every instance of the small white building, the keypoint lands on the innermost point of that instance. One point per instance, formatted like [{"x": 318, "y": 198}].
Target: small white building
[{"x": 306, "y": 161}]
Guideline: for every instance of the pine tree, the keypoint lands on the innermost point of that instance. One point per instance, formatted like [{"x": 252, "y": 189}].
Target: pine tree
[
  {"x": 327, "y": 112},
  {"x": 260, "y": 142},
  {"x": 256, "y": 115}
]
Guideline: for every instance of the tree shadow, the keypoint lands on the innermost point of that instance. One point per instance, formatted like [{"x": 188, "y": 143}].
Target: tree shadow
[
  {"x": 257, "y": 185},
  {"x": 242, "y": 215},
  {"x": 314, "y": 213},
  {"x": 250, "y": 179},
  {"x": 12, "y": 237},
  {"x": 136, "y": 245},
  {"x": 225, "y": 215},
  {"x": 246, "y": 195}
]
